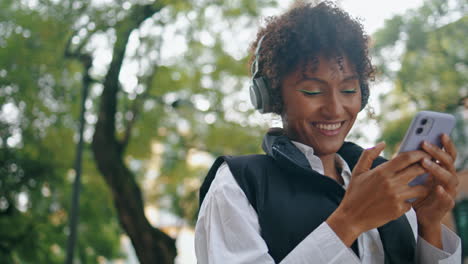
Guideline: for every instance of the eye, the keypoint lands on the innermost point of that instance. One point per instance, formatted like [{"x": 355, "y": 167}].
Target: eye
[
  {"x": 307, "y": 92},
  {"x": 349, "y": 91}
]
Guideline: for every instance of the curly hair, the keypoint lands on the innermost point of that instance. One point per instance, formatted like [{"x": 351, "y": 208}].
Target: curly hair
[{"x": 296, "y": 39}]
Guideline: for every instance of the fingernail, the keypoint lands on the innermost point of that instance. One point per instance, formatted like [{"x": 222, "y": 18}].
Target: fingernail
[
  {"x": 429, "y": 145},
  {"x": 377, "y": 145},
  {"x": 427, "y": 162},
  {"x": 381, "y": 143}
]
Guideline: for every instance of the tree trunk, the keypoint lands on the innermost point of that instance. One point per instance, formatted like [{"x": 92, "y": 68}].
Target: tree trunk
[{"x": 151, "y": 244}]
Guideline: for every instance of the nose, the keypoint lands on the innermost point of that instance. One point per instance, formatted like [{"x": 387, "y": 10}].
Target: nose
[{"x": 333, "y": 106}]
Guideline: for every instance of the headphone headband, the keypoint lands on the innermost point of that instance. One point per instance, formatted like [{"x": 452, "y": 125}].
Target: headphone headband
[{"x": 254, "y": 67}]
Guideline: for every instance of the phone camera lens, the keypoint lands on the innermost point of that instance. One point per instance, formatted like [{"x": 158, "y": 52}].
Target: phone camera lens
[
  {"x": 419, "y": 130},
  {"x": 424, "y": 121}
]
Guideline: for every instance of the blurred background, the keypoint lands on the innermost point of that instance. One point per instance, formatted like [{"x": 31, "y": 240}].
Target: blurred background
[{"x": 162, "y": 89}]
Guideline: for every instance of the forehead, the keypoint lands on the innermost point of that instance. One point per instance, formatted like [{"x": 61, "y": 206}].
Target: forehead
[
  {"x": 331, "y": 70},
  {"x": 327, "y": 66}
]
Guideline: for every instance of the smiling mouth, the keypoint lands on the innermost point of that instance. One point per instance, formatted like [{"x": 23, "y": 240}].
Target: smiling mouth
[
  {"x": 329, "y": 129},
  {"x": 328, "y": 126}
]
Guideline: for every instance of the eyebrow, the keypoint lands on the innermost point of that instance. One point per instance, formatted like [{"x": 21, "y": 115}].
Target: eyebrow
[{"x": 306, "y": 78}]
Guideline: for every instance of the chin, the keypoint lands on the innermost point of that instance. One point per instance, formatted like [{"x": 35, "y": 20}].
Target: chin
[{"x": 327, "y": 149}]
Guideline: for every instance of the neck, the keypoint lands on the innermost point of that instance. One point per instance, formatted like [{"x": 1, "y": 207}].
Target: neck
[{"x": 329, "y": 167}]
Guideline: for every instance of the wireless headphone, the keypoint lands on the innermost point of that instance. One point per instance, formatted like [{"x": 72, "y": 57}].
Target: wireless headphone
[{"x": 259, "y": 94}]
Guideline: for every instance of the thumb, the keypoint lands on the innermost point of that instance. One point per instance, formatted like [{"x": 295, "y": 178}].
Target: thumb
[{"x": 367, "y": 157}]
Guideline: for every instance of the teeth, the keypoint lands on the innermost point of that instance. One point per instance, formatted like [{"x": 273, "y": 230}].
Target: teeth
[{"x": 328, "y": 126}]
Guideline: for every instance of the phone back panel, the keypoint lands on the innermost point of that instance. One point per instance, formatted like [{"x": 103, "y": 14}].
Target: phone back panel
[
  {"x": 435, "y": 125},
  {"x": 426, "y": 126}
]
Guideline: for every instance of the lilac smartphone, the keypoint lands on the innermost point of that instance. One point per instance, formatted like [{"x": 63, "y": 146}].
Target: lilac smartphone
[{"x": 426, "y": 126}]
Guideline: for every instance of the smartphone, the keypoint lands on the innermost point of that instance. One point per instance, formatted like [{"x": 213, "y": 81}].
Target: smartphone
[{"x": 426, "y": 126}]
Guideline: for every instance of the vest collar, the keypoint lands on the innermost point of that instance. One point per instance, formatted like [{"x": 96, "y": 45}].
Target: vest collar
[{"x": 278, "y": 146}]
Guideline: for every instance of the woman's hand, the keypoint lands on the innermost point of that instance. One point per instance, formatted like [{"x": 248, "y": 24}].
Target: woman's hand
[
  {"x": 377, "y": 196},
  {"x": 443, "y": 182}
]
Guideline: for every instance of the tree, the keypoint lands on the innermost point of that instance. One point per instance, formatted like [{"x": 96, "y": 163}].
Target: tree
[{"x": 52, "y": 49}]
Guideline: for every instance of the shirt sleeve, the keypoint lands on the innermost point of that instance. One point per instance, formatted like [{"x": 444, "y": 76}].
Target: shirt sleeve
[
  {"x": 228, "y": 231},
  {"x": 428, "y": 254},
  {"x": 451, "y": 253}
]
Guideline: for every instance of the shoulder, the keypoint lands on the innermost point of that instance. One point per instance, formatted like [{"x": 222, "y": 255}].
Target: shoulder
[
  {"x": 223, "y": 178},
  {"x": 223, "y": 202},
  {"x": 248, "y": 163},
  {"x": 248, "y": 159},
  {"x": 223, "y": 182},
  {"x": 232, "y": 169}
]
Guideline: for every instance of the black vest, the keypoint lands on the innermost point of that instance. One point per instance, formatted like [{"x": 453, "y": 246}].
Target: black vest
[{"x": 292, "y": 200}]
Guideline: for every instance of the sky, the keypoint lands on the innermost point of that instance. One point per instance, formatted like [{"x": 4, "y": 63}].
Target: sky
[{"x": 374, "y": 12}]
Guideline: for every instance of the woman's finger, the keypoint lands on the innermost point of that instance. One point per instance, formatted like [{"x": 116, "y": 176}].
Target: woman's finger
[
  {"x": 447, "y": 179},
  {"x": 449, "y": 146},
  {"x": 443, "y": 157},
  {"x": 441, "y": 199},
  {"x": 404, "y": 159},
  {"x": 435, "y": 206},
  {"x": 425, "y": 201},
  {"x": 418, "y": 192},
  {"x": 367, "y": 158},
  {"x": 409, "y": 173}
]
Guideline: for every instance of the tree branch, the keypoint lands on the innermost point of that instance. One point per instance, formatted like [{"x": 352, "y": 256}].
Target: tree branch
[
  {"x": 85, "y": 58},
  {"x": 138, "y": 104},
  {"x": 124, "y": 28},
  {"x": 135, "y": 110}
]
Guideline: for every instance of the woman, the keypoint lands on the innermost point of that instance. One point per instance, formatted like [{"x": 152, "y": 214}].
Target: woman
[{"x": 314, "y": 198}]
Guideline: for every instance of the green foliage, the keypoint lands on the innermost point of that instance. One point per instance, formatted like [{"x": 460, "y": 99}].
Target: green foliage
[
  {"x": 21, "y": 175},
  {"x": 392, "y": 134},
  {"x": 460, "y": 213},
  {"x": 178, "y": 102},
  {"x": 37, "y": 148},
  {"x": 390, "y": 34}
]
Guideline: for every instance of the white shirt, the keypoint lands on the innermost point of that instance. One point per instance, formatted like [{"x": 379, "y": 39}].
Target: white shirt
[{"x": 228, "y": 231}]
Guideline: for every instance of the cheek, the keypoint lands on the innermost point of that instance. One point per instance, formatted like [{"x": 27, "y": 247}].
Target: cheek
[
  {"x": 293, "y": 106},
  {"x": 354, "y": 106},
  {"x": 354, "y": 102},
  {"x": 296, "y": 115},
  {"x": 303, "y": 109}
]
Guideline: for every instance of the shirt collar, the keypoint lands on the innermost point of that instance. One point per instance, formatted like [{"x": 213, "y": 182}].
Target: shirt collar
[{"x": 316, "y": 163}]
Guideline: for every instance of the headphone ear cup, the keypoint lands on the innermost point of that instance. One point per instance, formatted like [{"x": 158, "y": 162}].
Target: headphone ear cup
[
  {"x": 262, "y": 89},
  {"x": 364, "y": 95},
  {"x": 255, "y": 96}
]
